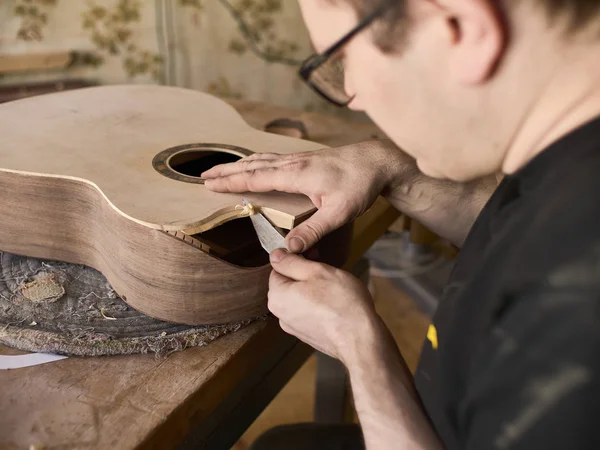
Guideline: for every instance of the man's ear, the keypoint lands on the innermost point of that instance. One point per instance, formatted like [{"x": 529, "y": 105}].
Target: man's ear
[{"x": 478, "y": 38}]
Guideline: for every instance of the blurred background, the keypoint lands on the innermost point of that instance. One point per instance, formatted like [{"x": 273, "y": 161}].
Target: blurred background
[{"x": 243, "y": 49}]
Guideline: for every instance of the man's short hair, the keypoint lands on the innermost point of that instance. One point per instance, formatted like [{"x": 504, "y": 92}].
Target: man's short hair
[{"x": 391, "y": 27}]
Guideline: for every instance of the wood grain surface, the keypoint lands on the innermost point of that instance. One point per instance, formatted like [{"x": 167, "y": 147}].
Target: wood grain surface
[{"x": 73, "y": 404}]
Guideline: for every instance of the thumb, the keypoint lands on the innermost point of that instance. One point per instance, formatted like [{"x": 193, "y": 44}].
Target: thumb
[
  {"x": 313, "y": 229},
  {"x": 293, "y": 267}
]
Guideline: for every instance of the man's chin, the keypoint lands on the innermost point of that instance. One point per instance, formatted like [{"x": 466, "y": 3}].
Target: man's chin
[
  {"x": 444, "y": 172},
  {"x": 429, "y": 169}
]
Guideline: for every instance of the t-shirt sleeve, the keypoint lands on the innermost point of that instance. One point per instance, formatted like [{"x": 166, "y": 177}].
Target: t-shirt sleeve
[{"x": 535, "y": 383}]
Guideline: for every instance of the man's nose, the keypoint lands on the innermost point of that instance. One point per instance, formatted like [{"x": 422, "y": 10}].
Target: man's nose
[
  {"x": 351, "y": 92},
  {"x": 355, "y": 104}
]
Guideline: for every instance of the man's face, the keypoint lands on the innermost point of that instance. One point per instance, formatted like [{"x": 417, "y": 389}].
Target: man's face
[{"x": 410, "y": 94}]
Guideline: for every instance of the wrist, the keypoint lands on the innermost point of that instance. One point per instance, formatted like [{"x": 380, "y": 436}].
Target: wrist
[
  {"x": 392, "y": 163},
  {"x": 375, "y": 358},
  {"x": 402, "y": 179},
  {"x": 365, "y": 341}
]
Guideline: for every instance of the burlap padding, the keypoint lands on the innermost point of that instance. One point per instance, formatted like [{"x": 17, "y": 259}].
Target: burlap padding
[{"x": 48, "y": 306}]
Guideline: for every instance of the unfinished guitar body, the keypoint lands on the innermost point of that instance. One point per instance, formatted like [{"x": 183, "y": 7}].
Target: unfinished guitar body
[{"x": 109, "y": 177}]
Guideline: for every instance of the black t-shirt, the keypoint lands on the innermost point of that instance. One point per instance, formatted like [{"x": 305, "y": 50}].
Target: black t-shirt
[{"x": 512, "y": 360}]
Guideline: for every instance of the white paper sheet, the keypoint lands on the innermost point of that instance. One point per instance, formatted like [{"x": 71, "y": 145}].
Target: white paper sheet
[{"x": 32, "y": 359}]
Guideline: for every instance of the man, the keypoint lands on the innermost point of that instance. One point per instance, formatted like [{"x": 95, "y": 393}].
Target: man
[{"x": 467, "y": 88}]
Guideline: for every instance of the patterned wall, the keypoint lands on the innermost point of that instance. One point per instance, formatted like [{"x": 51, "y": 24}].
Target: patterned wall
[{"x": 239, "y": 48}]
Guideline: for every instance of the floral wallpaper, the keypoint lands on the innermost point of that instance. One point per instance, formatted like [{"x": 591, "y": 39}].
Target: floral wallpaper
[{"x": 246, "y": 49}]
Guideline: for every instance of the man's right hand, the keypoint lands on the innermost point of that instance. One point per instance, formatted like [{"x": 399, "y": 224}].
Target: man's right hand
[{"x": 341, "y": 182}]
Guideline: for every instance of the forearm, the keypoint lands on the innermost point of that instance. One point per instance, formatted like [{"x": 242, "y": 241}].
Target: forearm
[
  {"x": 387, "y": 404},
  {"x": 447, "y": 208}
]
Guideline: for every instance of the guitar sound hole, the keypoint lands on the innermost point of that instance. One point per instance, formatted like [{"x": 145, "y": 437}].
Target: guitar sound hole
[
  {"x": 193, "y": 162},
  {"x": 187, "y": 162}
]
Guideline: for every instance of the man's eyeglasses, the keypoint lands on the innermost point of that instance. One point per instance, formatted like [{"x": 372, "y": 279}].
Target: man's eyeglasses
[{"x": 324, "y": 72}]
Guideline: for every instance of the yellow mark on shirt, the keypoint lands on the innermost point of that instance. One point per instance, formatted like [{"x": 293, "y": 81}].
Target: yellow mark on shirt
[{"x": 432, "y": 336}]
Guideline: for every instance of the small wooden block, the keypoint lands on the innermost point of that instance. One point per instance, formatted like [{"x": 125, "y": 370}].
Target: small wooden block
[{"x": 27, "y": 62}]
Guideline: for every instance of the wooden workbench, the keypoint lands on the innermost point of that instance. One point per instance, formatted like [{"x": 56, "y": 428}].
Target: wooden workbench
[{"x": 202, "y": 398}]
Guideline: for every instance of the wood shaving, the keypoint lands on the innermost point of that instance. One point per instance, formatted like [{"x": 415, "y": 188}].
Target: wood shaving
[
  {"x": 247, "y": 209},
  {"x": 105, "y": 316}
]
